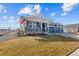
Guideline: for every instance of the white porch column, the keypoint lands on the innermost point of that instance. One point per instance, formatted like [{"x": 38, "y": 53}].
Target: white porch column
[
  {"x": 41, "y": 26},
  {"x": 59, "y": 29}
]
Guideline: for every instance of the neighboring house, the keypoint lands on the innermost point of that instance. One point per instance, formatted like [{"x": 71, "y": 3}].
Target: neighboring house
[
  {"x": 39, "y": 24},
  {"x": 71, "y": 28},
  {"x": 4, "y": 31}
]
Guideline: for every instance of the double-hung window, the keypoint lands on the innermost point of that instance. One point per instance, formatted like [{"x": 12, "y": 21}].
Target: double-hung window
[
  {"x": 30, "y": 24},
  {"x": 34, "y": 25}
]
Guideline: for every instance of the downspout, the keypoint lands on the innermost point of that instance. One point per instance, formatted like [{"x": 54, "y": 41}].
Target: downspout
[{"x": 48, "y": 28}]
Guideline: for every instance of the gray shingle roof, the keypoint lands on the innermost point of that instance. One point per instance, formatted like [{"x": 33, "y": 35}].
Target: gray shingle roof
[{"x": 39, "y": 18}]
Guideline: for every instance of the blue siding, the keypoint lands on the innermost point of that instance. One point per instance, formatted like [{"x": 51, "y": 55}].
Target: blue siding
[
  {"x": 51, "y": 29},
  {"x": 55, "y": 30}
]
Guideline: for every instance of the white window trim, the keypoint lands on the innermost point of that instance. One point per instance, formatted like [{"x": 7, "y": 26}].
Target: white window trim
[{"x": 32, "y": 24}]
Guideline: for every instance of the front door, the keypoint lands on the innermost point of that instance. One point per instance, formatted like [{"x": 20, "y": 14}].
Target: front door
[{"x": 43, "y": 27}]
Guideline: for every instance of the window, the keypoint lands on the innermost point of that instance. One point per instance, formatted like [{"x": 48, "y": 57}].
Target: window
[
  {"x": 30, "y": 24},
  {"x": 38, "y": 25},
  {"x": 34, "y": 25}
]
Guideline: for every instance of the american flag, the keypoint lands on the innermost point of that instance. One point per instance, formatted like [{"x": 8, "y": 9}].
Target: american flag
[{"x": 22, "y": 20}]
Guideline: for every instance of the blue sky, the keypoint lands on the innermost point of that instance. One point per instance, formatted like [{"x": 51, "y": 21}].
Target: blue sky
[{"x": 65, "y": 13}]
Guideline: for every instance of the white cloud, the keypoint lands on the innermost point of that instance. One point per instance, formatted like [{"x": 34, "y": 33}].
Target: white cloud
[
  {"x": 11, "y": 17},
  {"x": 11, "y": 21},
  {"x": 63, "y": 14},
  {"x": 5, "y": 17},
  {"x": 53, "y": 14},
  {"x": 46, "y": 9},
  {"x": 37, "y": 9},
  {"x": 30, "y": 9},
  {"x": 1, "y": 6},
  {"x": 67, "y": 7},
  {"x": 74, "y": 22},
  {"x": 2, "y": 9},
  {"x": 25, "y": 10}
]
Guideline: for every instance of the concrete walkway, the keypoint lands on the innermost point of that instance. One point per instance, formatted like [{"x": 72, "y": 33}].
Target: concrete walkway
[
  {"x": 69, "y": 35},
  {"x": 75, "y": 53}
]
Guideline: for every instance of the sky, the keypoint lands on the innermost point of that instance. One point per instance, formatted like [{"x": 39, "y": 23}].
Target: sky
[{"x": 65, "y": 13}]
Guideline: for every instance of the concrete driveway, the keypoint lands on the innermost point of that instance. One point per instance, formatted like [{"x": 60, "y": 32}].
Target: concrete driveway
[
  {"x": 68, "y": 35},
  {"x": 71, "y": 36}
]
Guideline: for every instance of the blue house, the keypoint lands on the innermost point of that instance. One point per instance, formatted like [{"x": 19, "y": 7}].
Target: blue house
[{"x": 39, "y": 24}]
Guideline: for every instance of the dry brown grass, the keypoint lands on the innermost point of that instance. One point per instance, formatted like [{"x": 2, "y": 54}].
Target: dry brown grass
[{"x": 38, "y": 46}]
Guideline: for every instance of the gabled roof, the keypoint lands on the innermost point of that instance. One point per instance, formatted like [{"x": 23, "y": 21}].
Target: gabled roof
[{"x": 39, "y": 18}]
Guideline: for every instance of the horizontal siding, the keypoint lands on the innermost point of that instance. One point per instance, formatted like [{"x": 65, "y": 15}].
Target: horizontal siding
[
  {"x": 34, "y": 31},
  {"x": 55, "y": 30}
]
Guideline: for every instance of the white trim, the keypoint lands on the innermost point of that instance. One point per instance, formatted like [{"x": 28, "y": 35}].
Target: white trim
[
  {"x": 41, "y": 26},
  {"x": 48, "y": 27}
]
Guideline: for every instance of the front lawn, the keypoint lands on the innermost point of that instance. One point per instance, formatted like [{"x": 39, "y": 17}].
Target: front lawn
[{"x": 38, "y": 46}]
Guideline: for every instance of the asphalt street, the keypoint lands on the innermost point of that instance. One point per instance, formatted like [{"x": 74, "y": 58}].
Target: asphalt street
[{"x": 8, "y": 36}]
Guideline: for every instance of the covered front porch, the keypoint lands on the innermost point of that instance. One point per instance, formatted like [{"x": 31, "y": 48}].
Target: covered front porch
[{"x": 36, "y": 27}]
